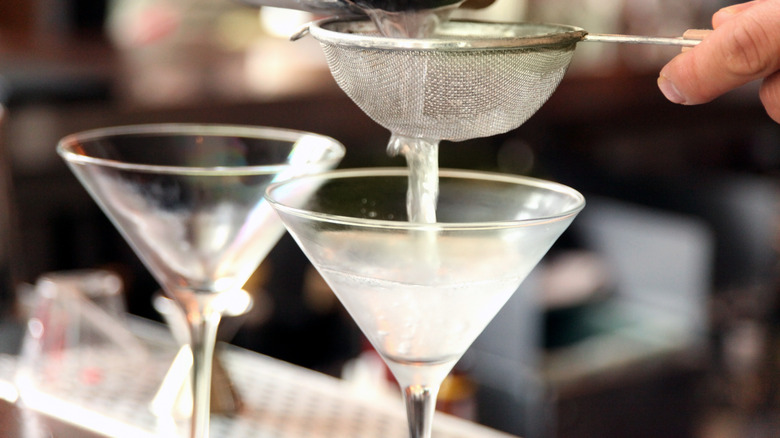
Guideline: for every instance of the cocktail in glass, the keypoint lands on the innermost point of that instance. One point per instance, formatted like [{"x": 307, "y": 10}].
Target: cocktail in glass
[
  {"x": 189, "y": 200},
  {"x": 422, "y": 292}
]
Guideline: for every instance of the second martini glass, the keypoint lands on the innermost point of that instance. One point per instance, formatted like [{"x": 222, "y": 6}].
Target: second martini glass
[
  {"x": 189, "y": 200},
  {"x": 422, "y": 292}
]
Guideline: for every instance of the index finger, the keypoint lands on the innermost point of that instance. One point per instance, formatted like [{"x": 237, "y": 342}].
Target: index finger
[
  {"x": 729, "y": 12},
  {"x": 739, "y": 50}
]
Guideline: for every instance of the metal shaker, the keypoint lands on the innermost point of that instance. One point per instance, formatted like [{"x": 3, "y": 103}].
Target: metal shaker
[{"x": 324, "y": 7}]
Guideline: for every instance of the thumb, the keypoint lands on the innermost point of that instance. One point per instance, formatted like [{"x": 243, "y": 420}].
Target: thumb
[{"x": 741, "y": 49}]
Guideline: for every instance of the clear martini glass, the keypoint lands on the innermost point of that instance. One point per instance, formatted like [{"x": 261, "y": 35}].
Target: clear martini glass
[
  {"x": 422, "y": 292},
  {"x": 189, "y": 200}
]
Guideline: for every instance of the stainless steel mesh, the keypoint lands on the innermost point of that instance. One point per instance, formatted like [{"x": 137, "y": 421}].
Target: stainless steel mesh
[{"x": 471, "y": 80}]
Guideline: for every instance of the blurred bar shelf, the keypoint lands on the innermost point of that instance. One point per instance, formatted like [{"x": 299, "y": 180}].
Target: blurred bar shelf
[{"x": 280, "y": 400}]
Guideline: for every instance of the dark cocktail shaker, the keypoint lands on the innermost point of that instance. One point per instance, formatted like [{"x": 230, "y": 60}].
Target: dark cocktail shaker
[{"x": 356, "y": 7}]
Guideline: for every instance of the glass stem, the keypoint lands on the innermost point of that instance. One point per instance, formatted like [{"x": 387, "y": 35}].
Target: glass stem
[
  {"x": 203, "y": 332},
  {"x": 420, "y": 405}
]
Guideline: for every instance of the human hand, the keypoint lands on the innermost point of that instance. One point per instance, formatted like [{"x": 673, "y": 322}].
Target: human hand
[{"x": 744, "y": 46}]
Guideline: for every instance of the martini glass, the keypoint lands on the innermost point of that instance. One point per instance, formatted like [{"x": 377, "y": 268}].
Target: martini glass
[
  {"x": 189, "y": 201},
  {"x": 422, "y": 292}
]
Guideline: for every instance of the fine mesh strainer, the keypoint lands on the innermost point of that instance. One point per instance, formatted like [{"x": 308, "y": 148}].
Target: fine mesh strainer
[{"x": 473, "y": 79}]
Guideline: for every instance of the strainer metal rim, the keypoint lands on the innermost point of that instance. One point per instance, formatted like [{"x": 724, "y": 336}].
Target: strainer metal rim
[{"x": 560, "y": 35}]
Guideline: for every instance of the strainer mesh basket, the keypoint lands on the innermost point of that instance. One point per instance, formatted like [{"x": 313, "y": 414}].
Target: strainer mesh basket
[{"x": 448, "y": 93}]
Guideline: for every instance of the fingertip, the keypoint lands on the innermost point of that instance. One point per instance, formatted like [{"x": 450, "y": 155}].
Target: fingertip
[
  {"x": 727, "y": 13},
  {"x": 722, "y": 16},
  {"x": 770, "y": 96}
]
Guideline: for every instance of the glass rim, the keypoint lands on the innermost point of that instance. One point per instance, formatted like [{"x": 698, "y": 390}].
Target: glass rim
[
  {"x": 463, "y": 174},
  {"x": 66, "y": 144}
]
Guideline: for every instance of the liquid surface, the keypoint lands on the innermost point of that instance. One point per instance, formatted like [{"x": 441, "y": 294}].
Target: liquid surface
[
  {"x": 422, "y": 300},
  {"x": 421, "y": 330}
]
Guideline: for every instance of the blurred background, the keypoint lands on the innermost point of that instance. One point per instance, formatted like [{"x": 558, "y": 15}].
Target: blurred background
[{"x": 656, "y": 315}]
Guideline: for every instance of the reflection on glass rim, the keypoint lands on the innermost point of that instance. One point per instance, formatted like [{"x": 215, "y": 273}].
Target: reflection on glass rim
[
  {"x": 578, "y": 200},
  {"x": 68, "y": 146}
]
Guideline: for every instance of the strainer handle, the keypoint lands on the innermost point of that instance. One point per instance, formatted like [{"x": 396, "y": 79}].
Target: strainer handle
[
  {"x": 690, "y": 38},
  {"x": 300, "y": 33}
]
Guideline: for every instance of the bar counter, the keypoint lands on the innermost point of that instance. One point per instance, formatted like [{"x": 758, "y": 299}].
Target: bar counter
[{"x": 91, "y": 392}]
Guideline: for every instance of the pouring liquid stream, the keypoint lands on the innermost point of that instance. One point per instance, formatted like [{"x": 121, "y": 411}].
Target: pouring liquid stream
[
  {"x": 407, "y": 19},
  {"x": 422, "y": 159},
  {"x": 413, "y": 19}
]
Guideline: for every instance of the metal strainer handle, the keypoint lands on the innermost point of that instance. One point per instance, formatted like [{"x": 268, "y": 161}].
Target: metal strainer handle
[{"x": 690, "y": 38}]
